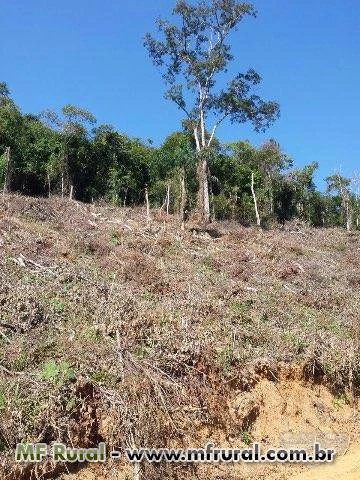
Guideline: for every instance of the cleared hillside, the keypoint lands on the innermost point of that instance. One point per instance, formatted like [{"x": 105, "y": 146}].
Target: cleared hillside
[{"x": 116, "y": 329}]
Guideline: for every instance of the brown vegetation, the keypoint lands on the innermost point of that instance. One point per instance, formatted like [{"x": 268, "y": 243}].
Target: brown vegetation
[{"x": 147, "y": 335}]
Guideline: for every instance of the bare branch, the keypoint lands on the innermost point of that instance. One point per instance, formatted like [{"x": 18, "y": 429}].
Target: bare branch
[
  {"x": 215, "y": 128},
  {"x": 196, "y": 135}
]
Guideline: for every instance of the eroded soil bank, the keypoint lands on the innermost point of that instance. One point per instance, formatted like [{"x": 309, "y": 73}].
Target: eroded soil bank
[{"x": 287, "y": 411}]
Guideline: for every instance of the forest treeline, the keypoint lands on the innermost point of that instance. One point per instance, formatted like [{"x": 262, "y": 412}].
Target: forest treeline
[{"x": 67, "y": 154}]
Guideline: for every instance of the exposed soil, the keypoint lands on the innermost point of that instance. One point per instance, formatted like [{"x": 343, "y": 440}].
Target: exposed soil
[
  {"x": 291, "y": 414},
  {"x": 344, "y": 468}
]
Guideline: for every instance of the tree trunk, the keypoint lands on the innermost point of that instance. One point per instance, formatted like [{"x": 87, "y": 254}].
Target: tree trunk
[
  {"x": 203, "y": 200},
  {"x": 147, "y": 206},
  {"x": 125, "y": 196},
  {"x": 211, "y": 199},
  {"x": 271, "y": 195},
  {"x": 49, "y": 184},
  {"x": 258, "y": 221},
  {"x": 182, "y": 198},
  {"x": 348, "y": 216},
  {"x": 7, "y": 179},
  {"x": 167, "y": 200}
]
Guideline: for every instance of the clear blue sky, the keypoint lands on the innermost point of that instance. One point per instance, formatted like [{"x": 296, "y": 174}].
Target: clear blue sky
[{"x": 90, "y": 53}]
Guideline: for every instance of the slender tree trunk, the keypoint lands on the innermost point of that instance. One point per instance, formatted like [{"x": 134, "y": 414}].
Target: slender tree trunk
[
  {"x": 233, "y": 202},
  {"x": 182, "y": 198},
  {"x": 147, "y": 206},
  {"x": 346, "y": 210},
  {"x": 271, "y": 195},
  {"x": 211, "y": 199},
  {"x": 71, "y": 192},
  {"x": 271, "y": 201},
  {"x": 203, "y": 203},
  {"x": 7, "y": 179},
  {"x": 348, "y": 215},
  {"x": 167, "y": 200},
  {"x": 299, "y": 208},
  {"x": 125, "y": 197},
  {"x": 49, "y": 184},
  {"x": 203, "y": 200},
  {"x": 213, "y": 214},
  {"x": 258, "y": 221}
]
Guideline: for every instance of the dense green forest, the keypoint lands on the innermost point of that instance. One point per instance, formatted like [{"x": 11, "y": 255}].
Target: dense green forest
[{"x": 66, "y": 154}]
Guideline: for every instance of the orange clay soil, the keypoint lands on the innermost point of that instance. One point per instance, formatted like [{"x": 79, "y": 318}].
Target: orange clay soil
[{"x": 289, "y": 413}]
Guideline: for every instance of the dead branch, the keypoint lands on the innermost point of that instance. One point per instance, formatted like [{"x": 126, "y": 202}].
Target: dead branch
[{"x": 24, "y": 262}]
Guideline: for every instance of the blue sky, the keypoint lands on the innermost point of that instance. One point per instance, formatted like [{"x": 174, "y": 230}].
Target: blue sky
[{"x": 90, "y": 53}]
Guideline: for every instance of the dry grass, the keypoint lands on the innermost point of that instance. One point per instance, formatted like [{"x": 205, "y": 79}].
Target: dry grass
[{"x": 113, "y": 330}]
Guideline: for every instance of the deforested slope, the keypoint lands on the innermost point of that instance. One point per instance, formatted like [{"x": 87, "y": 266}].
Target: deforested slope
[{"x": 119, "y": 328}]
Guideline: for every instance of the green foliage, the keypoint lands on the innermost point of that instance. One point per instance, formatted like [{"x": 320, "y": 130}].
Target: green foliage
[
  {"x": 148, "y": 295},
  {"x": 225, "y": 359},
  {"x": 21, "y": 362},
  {"x": 70, "y": 404},
  {"x": 102, "y": 377},
  {"x": 92, "y": 334},
  {"x": 191, "y": 58},
  {"x": 58, "y": 305},
  {"x": 115, "y": 240},
  {"x": 341, "y": 400},
  {"x": 2, "y": 169},
  {"x": 194, "y": 53},
  {"x": 120, "y": 167},
  {"x": 241, "y": 309},
  {"x": 175, "y": 157},
  {"x": 2, "y": 401},
  {"x": 222, "y": 207},
  {"x": 57, "y": 372},
  {"x": 294, "y": 340},
  {"x": 4, "y": 90},
  {"x": 246, "y": 437},
  {"x": 50, "y": 152}
]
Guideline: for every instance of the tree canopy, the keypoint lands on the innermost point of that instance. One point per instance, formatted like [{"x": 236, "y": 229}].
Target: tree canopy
[
  {"x": 47, "y": 153},
  {"x": 192, "y": 52}
]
